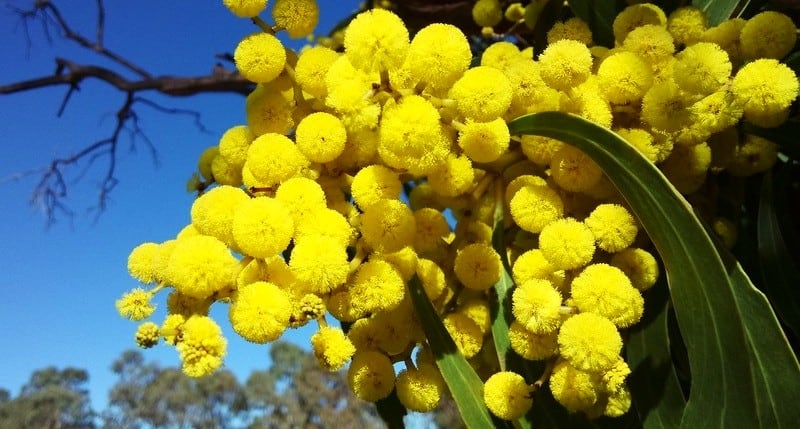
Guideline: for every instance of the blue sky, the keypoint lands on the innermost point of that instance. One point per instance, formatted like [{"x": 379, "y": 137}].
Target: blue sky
[{"x": 60, "y": 284}]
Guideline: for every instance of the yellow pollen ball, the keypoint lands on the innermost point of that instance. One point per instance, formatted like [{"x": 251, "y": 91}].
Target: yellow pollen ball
[
  {"x": 537, "y": 305},
  {"x": 234, "y": 143},
  {"x": 487, "y": 13},
  {"x": 769, "y": 34},
  {"x": 478, "y": 266},
  {"x": 507, "y": 395},
  {"x": 687, "y": 24},
  {"x": 571, "y": 29},
  {"x": 301, "y": 196},
  {"x": 201, "y": 347},
  {"x": 142, "y": 264},
  {"x": 374, "y": 183},
  {"x": 319, "y": 263},
  {"x": 635, "y": 16},
  {"x": 420, "y": 389},
  {"x": 639, "y": 265},
  {"x": 262, "y": 227},
  {"x": 765, "y": 88},
  {"x": 312, "y": 66},
  {"x": 565, "y": 64},
  {"x": 411, "y": 136},
  {"x": 260, "y": 57},
  {"x": 573, "y": 170},
  {"x": 200, "y": 266},
  {"x": 273, "y": 158},
  {"x": 534, "y": 206},
  {"x": 378, "y": 286},
  {"x": 567, "y": 244},
  {"x": 332, "y": 348},
  {"x": 298, "y": 17},
  {"x": 260, "y": 312},
  {"x": 432, "y": 229},
  {"x": 371, "y": 376},
  {"x": 376, "y": 40},
  {"x": 388, "y": 226},
  {"x": 212, "y": 213},
  {"x": 624, "y": 77},
  {"x": 532, "y": 346},
  {"x": 321, "y": 137},
  {"x": 482, "y": 94},
  {"x": 245, "y": 8},
  {"x": 327, "y": 223},
  {"x": 576, "y": 390},
  {"x": 606, "y": 290},
  {"x": 589, "y": 342},
  {"x": 136, "y": 305},
  {"x": 267, "y": 108},
  {"x": 484, "y": 141},
  {"x": 613, "y": 226},
  {"x": 454, "y": 177},
  {"x": 465, "y": 333},
  {"x": 701, "y": 68},
  {"x": 439, "y": 54}
]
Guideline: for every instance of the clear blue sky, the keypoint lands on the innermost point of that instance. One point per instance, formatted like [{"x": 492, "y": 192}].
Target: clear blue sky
[{"x": 60, "y": 284}]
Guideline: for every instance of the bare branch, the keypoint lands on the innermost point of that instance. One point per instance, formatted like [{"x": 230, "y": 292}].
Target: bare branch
[{"x": 70, "y": 73}]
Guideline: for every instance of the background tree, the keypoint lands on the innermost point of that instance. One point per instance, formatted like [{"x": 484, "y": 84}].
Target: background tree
[
  {"x": 147, "y": 395},
  {"x": 294, "y": 392},
  {"x": 52, "y": 399}
]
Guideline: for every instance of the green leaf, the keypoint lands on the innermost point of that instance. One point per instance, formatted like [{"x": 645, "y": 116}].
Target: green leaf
[
  {"x": 658, "y": 399},
  {"x": 743, "y": 370},
  {"x": 600, "y": 17},
  {"x": 717, "y": 10},
  {"x": 391, "y": 411},
  {"x": 778, "y": 267},
  {"x": 464, "y": 384}
]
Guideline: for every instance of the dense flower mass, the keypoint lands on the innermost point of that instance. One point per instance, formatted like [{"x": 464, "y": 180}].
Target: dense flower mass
[{"x": 382, "y": 156}]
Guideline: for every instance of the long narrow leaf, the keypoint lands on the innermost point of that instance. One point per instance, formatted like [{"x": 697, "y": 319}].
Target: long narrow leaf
[
  {"x": 464, "y": 384},
  {"x": 781, "y": 276},
  {"x": 717, "y": 10},
  {"x": 658, "y": 399},
  {"x": 744, "y": 373}
]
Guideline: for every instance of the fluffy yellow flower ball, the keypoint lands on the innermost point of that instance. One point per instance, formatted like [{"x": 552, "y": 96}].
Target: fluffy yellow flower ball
[
  {"x": 432, "y": 278},
  {"x": 201, "y": 346},
  {"x": 420, "y": 389},
  {"x": 507, "y": 395},
  {"x": 701, "y": 68},
  {"x": 565, "y": 64},
  {"x": 478, "y": 266},
  {"x": 651, "y": 42},
  {"x": 267, "y": 108},
  {"x": 484, "y": 141},
  {"x": 371, "y": 376},
  {"x": 321, "y": 137},
  {"x": 534, "y": 206},
  {"x": 613, "y": 226},
  {"x": 302, "y": 196},
  {"x": 298, "y": 17},
  {"x": 374, "y": 183},
  {"x": 482, "y": 94},
  {"x": 606, "y": 291},
  {"x": 388, "y": 226},
  {"x": 639, "y": 265},
  {"x": 142, "y": 262},
  {"x": 273, "y": 158},
  {"x": 637, "y": 15},
  {"x": 432, "y": 229},
  {"x": 438, "y": 56},
  {"x": 687, "y": 24},
  {"x": 234, "y": 143},
  {"x": 262, "y": 227},
  {"x": 245, "y": 8},
  {"x": 376, "y": 40},
  {"x": 319, "y": 263},
  {"x": 532, "y": 346},
  {"x": 533, "y": 265},
  {"x": 332, "y": 348},
  {"x": 136, "y": 305},
  {"x": 589, "y": 342},
  {"x": 573, "y": 170},
  {"x": 465, "y": 333},
  {"x": 571, "y": 29},
  {"x": 567, "y": 244},
  {"x": 200, "y": 266},
  {"x": 212, "y": 213},
  {"x": 312, "y": 66},
  {"x": 487, "y": 13},
  {"x": 766, "y": 89},
  {"x": 260, "y": 57},
  {"x": 576, "y": 390},
  {"x": 260, "y": 312},
  {"x": 411, "y": 136},
  {"x": 769, "y": 34},
  {"x": 326, "y": 223},
  {"x": 537, "y": 306},
  {"x": 624, "y": 77},
  {"x": 378, "y": 286}
]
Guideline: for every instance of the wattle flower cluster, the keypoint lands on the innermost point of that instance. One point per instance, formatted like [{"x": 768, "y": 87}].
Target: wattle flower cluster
[{"x": 360, "y": 168}]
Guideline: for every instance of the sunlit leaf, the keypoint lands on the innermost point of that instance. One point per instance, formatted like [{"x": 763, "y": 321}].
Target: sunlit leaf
[
  {"x": 717, "y": 10},
  {"x": 743, "y": 370},
  {"x": 464, "y": 384}
]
